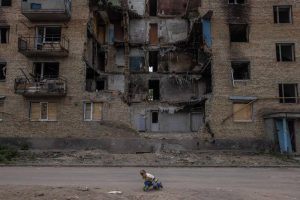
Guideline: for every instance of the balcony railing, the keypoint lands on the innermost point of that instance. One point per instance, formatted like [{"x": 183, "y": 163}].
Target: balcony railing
[
  {"x": 50, "y": 46},
  {"x": 43, "y": 88},
  {"x": 47, "y": 10}
]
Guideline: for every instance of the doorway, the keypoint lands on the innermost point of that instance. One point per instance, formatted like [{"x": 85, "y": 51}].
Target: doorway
[{"x": 154, "y": 121}]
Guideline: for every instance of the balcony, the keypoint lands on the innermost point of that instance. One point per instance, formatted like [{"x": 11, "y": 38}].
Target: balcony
[
  {"x": 43, "y": 88},
  {"x": 47, "y": 10},
  {"x": 53, "y": 46}
]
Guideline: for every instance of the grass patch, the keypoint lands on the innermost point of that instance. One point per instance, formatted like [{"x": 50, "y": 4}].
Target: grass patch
[{"x": 7, "y": 154}]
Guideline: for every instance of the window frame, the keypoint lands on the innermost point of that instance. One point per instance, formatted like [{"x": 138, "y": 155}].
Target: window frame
[
  {"x": 236, "y": 2},
  {"x": 279, "y": 46},
  {"x": 247, "y": 32},
  {"x": 47, "y": 119},
  {"x": 7, "y": 35},
  {"x": 276, "y": 11},
  {"x": 92, "y": 111},
  {"x": 249, "y": 70},
  {"x": 283, "y": 98},
  {"x": 4, "y": 64},
  {"x": 5, "y": 6},
  {"x": 84, "y": 112},
  {"x": 44, "y": 38},
  {"x": 1, "y": 110}
]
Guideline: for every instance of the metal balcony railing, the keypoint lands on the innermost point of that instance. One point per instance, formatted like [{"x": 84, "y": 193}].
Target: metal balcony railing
[
  {"x": 44, "y": 87},
  {"x": 52, "y": 45}
]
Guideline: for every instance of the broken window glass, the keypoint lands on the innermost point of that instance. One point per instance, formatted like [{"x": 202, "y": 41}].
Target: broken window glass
[
  {"x": 288, "y": 93},
  {"x": 4, "y": 35},
  {"x": 285, "y": 52},
  {"x": 241, "y": 70},
  {"x": 2, "y": 71},
  {"x": 282, "y": 14},
  {"x": 239, "y": 32}
]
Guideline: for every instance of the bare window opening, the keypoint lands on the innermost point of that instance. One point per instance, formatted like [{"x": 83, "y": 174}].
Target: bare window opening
[
  {"x": 288, "y": 93},
  {"x": 5, "y": 2},
  {"x": 285, "y": 52},
  {"x": 101, "y": 61},
  {"x": 241, "y": 70},
  {"x": 153, "y": 61},
  {"x": 239, "y": 32},
  {"x": 236, "y": 1},
  {"x": 282, "y": 14},
  {"x": 100, "y": 85},
  {"x": 154, "y": 117},
  {"x": 153, "y": 7},
  {"x": 4, "y": 35},
  {"x": 2, "y": 71},
  {"x": 46, "y": 70},
  {"x": 154, "y": 93}
]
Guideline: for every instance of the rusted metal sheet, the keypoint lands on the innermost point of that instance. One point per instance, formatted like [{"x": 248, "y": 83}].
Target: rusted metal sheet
[
  {"x": 153, "y": 34},
  {"x": 172, "y": 7},
  {"x": 119, "y": 32}
]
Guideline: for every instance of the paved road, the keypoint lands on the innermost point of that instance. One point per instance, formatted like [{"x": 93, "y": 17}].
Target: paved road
[{"x": 283, "y": 183}]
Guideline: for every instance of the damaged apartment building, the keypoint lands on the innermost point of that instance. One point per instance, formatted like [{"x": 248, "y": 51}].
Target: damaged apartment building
[
  {"x": 154, "y": 53},
  {"x": 226, "y": 67}
]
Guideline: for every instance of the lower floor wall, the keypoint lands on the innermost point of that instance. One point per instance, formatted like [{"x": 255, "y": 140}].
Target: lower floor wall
[
  {"x": 165, "y": 118},
  {"x": 220, "y": 116},
  {"x": 110, "y": 116}
]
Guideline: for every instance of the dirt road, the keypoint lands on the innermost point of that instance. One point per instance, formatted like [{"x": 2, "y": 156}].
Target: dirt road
[{"x": 180, "y": 183}]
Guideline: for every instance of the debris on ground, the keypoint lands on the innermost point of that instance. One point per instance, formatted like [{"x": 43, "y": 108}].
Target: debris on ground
[{"x": 168, "y": 158}]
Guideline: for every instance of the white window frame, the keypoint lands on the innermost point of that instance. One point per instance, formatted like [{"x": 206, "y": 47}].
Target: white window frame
[
  {"x": 290, "y": 13},
  {"x": 280, "y": 53},
  {"x": 284, "y": 97},
  {"x": 44, "y": 120},
  {"x": 44, "y": 33},
  {"x": 84, "y": 111}
]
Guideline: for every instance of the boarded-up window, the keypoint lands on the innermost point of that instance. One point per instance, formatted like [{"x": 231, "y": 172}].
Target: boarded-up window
[
  {"x": 52, "y": 112},
  {"x": 97, "y": 111},
  {"x": 242, "y": 112},
  {"x": 153, "y": 34},
  {"x": 93, "y": 111},
  {"x": 43, "y": 111}
]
